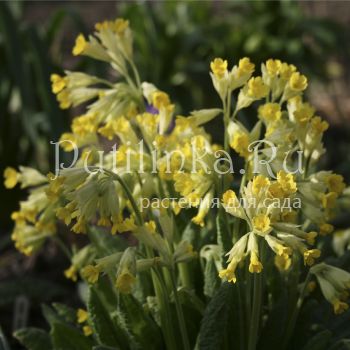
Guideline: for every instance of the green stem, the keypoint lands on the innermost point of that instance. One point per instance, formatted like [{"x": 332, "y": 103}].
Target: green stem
[
  {"x": 295, "y": 313},
  {"x": 128, "y": 194},
  {"x": 241, "y": 316},
  {"x": 256, "y": 311},
  {"x": 165, "y": 310},
  {"x": 180, "y": 315},
  {"x": 63, "y": 247},
  {"x": 136, "y": 74}
]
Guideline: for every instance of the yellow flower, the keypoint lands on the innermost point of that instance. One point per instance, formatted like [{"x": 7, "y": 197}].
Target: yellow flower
[
  {"x": 218, "y": 67},
  {"x": 277, "y": 246},
  {"x": 71, "y": 273},
  {"x": 82, "y": 315},
  {"x": 87, "y": 330},
  {"x": 128, "y": 225},
  {"x": 275, "y": 190},
  {"x": 318, "y": 125},
  {"x": 64, "y": 99},
  {"x": 19, "y": 218},
  {"x": 244, "y": 66},
  {"x": 287, "y": 183},
  {"x": 84, "y": 125},
  {"x": 310, "y": 237},
  {"x": 283, "y": 262},
  {"x": 11, "y": 177},
  {"x": 310, "y": 256},
  {"x": 125, "y": 282},
  {"x": 151, "y": 226},
  {"x": 273, "y": 67},
  {"x": 120, "y": 25},
  {"x": 229, "y": 197},
  {"x": 90, "y": 273},
  {"x": 326, "y": 229},
  {"x": 286, "y": 70},
  {"x": 204, "y": 208},
  {"x": 297, "y": 82},
  {"x": 270, "y": 112},
  {"x": 160, "y": 99},
  {"x": 335, "y": 183},
  {"x": 329, "y": 200},
  {"x": 108, "y": 130},
  {"x": 339, "y": 306},
  {"x": 261, "y": 223},
  {"x": 259, "y": 183},
  {"x": 289, "y": 216},
  {"x": 304, "y": 113},
  {"x": 255, "y": 265},
  {"x": 70, "y": 141},
  {"x": 229, "y": 273},
  {"x": 80, "y": 45},
  {"x": 64, "y": 214},
  {"x": 58, "y": 83},
  {"x": 80, "y": 226},
  {"x": 256, "y": 88},
  {"x": 240, "y": 143}
]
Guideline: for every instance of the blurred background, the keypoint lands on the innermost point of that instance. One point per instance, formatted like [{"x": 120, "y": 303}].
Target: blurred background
[{"x": 174, "y": 44}]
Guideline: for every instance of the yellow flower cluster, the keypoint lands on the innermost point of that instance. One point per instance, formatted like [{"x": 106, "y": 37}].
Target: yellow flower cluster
[
  {"x": 161, "y": 155},
  {"x": 263, "y": 208}
]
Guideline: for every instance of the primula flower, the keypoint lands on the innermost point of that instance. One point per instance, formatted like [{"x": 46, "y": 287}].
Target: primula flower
[
  {"x": 90, "y": 273},
  {"x": 334, "y": 283},
  {"x": 219, "y": 67},
  {"x": 82, "y": 316},
  {"x": 80, "y": 45},
  {"x": 11, "y": 177},
  {"x": 297, "y": 82}
]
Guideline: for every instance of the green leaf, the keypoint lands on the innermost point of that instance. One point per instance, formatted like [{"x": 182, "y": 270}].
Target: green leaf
[
  {"x": 103, "y": 347},
  {"x": 104, "y": 242},
  {"x": 67, "y": 313},
  {"x": 224, "y": 239},
  {"x": 33, "y": 338},
  {"x": 65, "y": 337},
  {"x": 211, "y": 280},
  {"x": 343, "y": 344},
  {"x": 217, "y": 318},
  {"x": 320, "y": 341},
  {"x": 106, "y": 330},
  {"x": 142, "y": 326},
  {"x": 50, "y": 315},
  {"x": 271, "y": 335},
  {"x": 188, "y": 297}
]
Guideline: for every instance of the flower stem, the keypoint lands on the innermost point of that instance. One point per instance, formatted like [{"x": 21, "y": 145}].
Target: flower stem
[
  {"x": 63, "y": 247},
  {"x": 256, "y": 311},
  {"x": 227, "y": 108},
  {"x": 180, "y": 315},
  {"x": 293, "y": 318}
]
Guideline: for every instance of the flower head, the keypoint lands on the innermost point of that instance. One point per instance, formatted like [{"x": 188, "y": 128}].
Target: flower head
[
  {"x": 11, "y": 177},
  {"x": 80, "y": 45},
  {"x": 82, "y": 315},
  {"x": 297, "y": 82},
  {"x": 219, "y": 67},
  {"x": 256, "y": 88},
  {"x": 261, "y": 223},
  {"x": 90, "y": 273}
]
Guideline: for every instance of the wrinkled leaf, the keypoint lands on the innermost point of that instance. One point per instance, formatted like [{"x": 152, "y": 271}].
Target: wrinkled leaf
[{"x": 33, "y": 338}]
